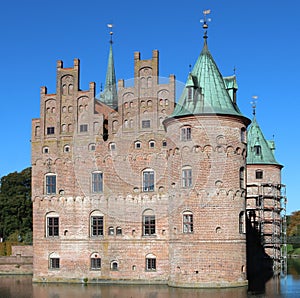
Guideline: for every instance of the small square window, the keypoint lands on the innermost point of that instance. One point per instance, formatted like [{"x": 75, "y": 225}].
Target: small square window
[
  {"x": 50, "y": 130},
  {"x": 83, "y": 128},
  {"x": 111, "y": 231},
  {"x": 146, "y": 124},
  {"x": 118, "y": 231},
  {"x": 138, "y": 145},
  {"x": 164, "y": 143},
  {"x": 112, "y": 146},
  {"x": 151, "y": 144},
  {"x": 259, "y": 174}
]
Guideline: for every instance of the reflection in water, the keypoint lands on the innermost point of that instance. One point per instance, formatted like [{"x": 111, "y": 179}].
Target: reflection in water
[{"x": 22, "y": 287}]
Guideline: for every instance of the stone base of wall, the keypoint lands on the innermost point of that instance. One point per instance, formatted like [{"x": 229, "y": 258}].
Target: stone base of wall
[{"x": 142, "y": 282}]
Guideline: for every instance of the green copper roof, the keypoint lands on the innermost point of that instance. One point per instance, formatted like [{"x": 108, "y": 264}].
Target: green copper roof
[
  {"x": 259, "y": 150},
  {"x": 210, "y": 94},
  {"x": 109, "y": 95}
]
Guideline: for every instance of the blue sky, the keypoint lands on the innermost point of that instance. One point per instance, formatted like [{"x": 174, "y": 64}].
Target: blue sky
[{"x": 260, "y": 39}]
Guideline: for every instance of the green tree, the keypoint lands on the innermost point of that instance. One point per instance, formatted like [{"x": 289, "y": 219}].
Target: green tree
[
  {"x": 294, "y": 224},
  {"x": 16, "y": 206}
]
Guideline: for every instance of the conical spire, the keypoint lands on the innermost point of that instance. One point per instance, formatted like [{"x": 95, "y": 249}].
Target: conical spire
[
  {"x": 208, "y": 94},
  {"x": 109, "y": 95},
  {"x": 259, "y": 150}
]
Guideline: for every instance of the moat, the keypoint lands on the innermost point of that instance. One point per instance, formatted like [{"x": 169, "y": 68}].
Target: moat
[{"x": 12, "y": 286}]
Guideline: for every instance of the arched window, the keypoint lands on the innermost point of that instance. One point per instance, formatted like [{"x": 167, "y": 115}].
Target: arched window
[
  {"x": 54, "y": 261},
  {"x": 97, "y": 182},
  {"x": 52, "y": 224},
  {"x": 114, "y": 266},
  {"x": 137, "y": 145},
  {"x": 186, "y": 177},
  {"x": 148, "y": 180},
  {"x": 50, "y": 183},
  {"x": 95, "y": 261},
  {"x": 111, "y": 231},
  {"x": 118, "y": 231},
  {"x": 150, "y": 262},
  {"x": 67, "y": 148},
  {"x": 46, "y": 150},
  {"x": 148, "y": 222},
  {"x": 151, "y": 144},
  {"x": 188, "y": 226},
  {"x": 97, "y": 223},
  {"x": 92, "y": 147}
]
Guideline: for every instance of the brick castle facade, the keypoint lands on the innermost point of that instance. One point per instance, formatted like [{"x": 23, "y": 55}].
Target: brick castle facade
[{"x": 136, "y": 188}]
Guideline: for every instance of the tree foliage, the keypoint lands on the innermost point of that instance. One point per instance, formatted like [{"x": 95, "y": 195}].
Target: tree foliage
[
  {"x": 294, "y": 224},
  {"x": 16, "y": 206}
]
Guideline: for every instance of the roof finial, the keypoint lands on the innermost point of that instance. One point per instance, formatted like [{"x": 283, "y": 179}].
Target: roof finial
[
  {"x": 110, "y": 26},
  {"x": 205, "y": 20},
  {"x": 253, "y": 102}
]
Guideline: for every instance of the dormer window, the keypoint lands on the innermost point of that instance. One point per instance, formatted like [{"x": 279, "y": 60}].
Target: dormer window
[
  {"x": 190, "y": 94},
  {"x": 257, "y": 149}
]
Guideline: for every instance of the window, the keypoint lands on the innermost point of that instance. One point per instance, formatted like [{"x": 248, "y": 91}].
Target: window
[
  {"x": 114, "y": 265},
  {"x": 186, "y": 177},
  {"x": 242, "y": 177},
  {"x": 52, "y": 225},
  {"x": 97, "y": 182},
  {"x": 148, "y": 180},
  {"x": 150, "y": 262},
  {"x": 187, "y": 222},
  {"x": 111, "y": 231},
  {"x": 137, "y": 145},
  {"x": 259, "y": 174},
  {"x": 242, "y": 222},
  {"x": 92, "y": 147},
  {"x": 54, "y": 261},
  {"x": 186, "y": 134},
  {"x": 118, "y": 231},
  {"x": 164, "y": 143},
  {"x": 50, "y": 184},
  {"x": 146, "y": 124},
  {"x": 67, "y": 148},
  {"x": 45, "y": 150},
  {"x": 112, "y": 146},
  {"x": 190, "y": 93},
  {"x": 148, "y": 223},
  {"x": 151, "y": 144},
  {"x": 257, "y": 149},
  {"x": 95, "y": 261},
  {"x": 83, "y": 128},
  {"x": 96, "y": 224},
  {"x": 50, "y": 130},
  {"x": 243, "y": 135}
]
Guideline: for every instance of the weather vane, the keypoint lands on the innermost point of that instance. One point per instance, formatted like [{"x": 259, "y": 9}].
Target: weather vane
[
  {"x": 110, "y": 26},
  {"x": 205, "y": 20},
  {"x": 253, "y": 102}
]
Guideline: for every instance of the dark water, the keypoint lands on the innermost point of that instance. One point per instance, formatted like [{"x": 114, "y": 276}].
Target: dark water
[{"x": 21, "y": 287}]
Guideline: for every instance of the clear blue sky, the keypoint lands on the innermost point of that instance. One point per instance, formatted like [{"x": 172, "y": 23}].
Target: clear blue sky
[{"x": 258, "y": 38}]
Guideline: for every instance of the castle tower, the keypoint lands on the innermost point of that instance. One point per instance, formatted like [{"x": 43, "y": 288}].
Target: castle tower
[
  {"x": 265, "y": 193},
  {"x": 206, "y": 160}
]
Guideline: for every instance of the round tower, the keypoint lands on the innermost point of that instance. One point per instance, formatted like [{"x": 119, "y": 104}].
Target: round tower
[{"x": 207, "y": 161}]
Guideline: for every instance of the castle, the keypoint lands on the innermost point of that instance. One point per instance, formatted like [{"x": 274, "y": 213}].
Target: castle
[{"x": 135, "y": 188}]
